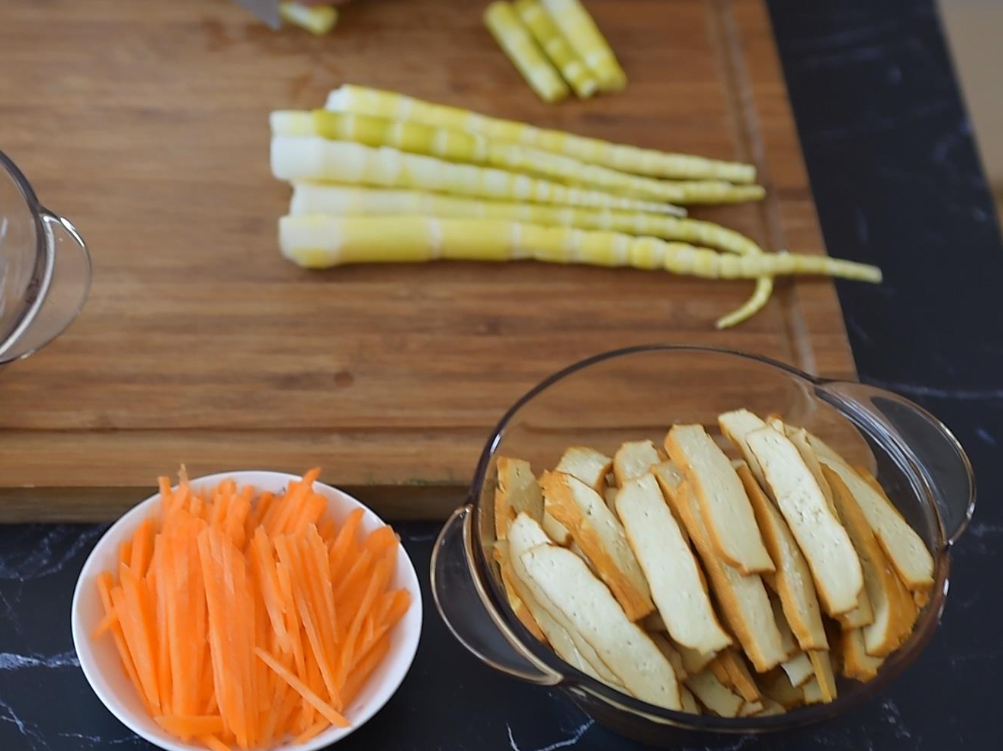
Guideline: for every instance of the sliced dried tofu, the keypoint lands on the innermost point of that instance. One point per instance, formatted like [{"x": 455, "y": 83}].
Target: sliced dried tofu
[
  {"x": 517, "y": 483},
  {"x": 735, "y": 426},
  {"x": 669, "y": 478},
  {"x": 587, "y": 465},
  {"x": 633, "y": 459},
  {"x": 720, "y": 672},
  {"x": 669, "y": 566},
  {"x": 903, "y": 546},
  {"x": 714, "y": 695},
  {"x": 780, "y": 689},
  {"x": 593, "y": 526},
  {"x": 600, "y": 619},
  {"x": 751, "y": 709},
  {"x": 688, "y": 701},
  {"x": 793, "y": 577},
  {"x": 671, "y": 654},
  {"x": 812, "y": 692},
  {"x": 738, "y": 675},
  {"x": 555, "y": 530},
  {"x": 569, "y": 645},
  {"x": 798, "y": 669},
  {"x": 694, "y": 661},
  {"x": 515, "y": 600},
  {"x": 727, "y": 513},
  {"x": 824, "y": 542},
  {"x": 742, "y": 598},
  {"x": 822, "y": 665},
  {"x": 894, "y": 610},
  {"x": 504, "y": 515},
  {"x": 771, "y": 707},
  {"x": 609, "y": 495},
  {"x": 654, "y": 622},
  {"x": 857, "y": 663}
]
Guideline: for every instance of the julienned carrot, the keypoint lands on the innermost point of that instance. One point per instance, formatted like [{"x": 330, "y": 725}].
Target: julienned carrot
[{"x": 248, "y": 622}]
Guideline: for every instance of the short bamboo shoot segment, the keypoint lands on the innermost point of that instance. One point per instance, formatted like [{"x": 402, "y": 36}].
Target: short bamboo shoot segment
[
  {"x": 518, "y": 45},
  {"x": 561, "y": 54},
  {"x": 341, "y": 161},
  {"x": 317, "y": 20},
  {"x": 651, "y": 162},
  {"x": 323, "y": 241},
  {"x": 584, "y": 36},
  {"x": 460, "y": 146}
]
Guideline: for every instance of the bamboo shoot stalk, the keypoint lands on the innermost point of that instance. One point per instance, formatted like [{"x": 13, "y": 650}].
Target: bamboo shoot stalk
[
  {"x": 561, "y": 54},
  {"x": 515, "y": 40},
  {"x": 318, "y": 159},
  {"x": 365, "y": 101},
  {"x": 461, "y": 146},
  {"x": 324, "y": 241},
  {"x": 338, "y": 200},
  {"x": 317, "y": 20},
  {"x": 584, "y": 36}
]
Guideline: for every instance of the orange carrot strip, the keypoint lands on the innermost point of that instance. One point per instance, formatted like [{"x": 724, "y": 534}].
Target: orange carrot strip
[
  {"x": 292, "y": 617},
  {"x": 105, "y": 589},
  {"x": 213, "y": 743},
  {"x": 125, "y": 552},
  {"x": 265, "y": 561},
  {"x": 258, "y": 510},
  {"x": 105, "y": 623},
  {"x": 166, "y": 494},
  {"x": 312, "y": 510},
  {"x": 380, "y": 539},
  {"x": 345, "y": 541},
  {"x": 161, "y": 569},
  {"x": 376, "y": 585},
  {"x": 315, "y": 556},
  {"x": 355, "y": 574},
  {"x": 326, "y": 529},
  {"x": 142, "y": 547},
  {"x": 311, "y": 731},
  {"x": 299, "y": 687},
  {"x": 137, "y": 626},
  {"x": 189, "y": 726},
  {"x": 363, "y": 669}
]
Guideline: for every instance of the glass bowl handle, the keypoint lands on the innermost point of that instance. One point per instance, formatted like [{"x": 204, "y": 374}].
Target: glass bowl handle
[
  {"x": 459, "y": 597},
  {"x": 928, "y": 444}
]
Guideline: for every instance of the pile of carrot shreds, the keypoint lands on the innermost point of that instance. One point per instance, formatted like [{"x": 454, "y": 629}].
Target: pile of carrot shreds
[{"x": 250, "y": 619}]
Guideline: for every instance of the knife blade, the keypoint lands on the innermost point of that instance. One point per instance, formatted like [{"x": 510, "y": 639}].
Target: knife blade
[{"x": 266, "y": 10}]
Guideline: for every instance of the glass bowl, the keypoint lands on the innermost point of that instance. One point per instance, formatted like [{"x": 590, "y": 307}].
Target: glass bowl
[{"x": 639, "y": 393}]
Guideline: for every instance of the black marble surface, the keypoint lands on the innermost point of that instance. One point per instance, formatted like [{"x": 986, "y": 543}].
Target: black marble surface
[{"x": 897, "y": 181}]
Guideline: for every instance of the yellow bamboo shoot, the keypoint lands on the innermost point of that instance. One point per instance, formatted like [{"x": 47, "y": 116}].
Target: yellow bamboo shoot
[
  {"x": 366, "y": 101},
  {"x": 317, "y": 20},
  {"x": 318, "y": 159},
  {"x": 324, "y": 241},
  {"x": 514, "y": 39},
  {"x": 584, "y": 36},
  {"x": 561, "y": 54},
  {"x": 461, "y": 146}
]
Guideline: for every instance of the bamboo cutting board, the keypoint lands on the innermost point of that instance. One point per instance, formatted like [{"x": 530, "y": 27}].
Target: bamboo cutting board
[{"x": 146, "y": 125}]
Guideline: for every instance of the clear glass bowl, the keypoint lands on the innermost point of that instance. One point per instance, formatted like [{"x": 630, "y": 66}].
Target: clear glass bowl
[
  {"x": 45, "y": 270},
  {"x": 639, "y": 393}
]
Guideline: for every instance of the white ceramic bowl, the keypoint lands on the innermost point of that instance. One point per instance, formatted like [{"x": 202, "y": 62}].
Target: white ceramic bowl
[{"x": 101, "y": 665}]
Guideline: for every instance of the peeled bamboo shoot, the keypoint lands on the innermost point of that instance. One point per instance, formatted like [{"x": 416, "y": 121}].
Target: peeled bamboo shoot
[
  {"x": 318, "y": 159},
  {"x": 366, "y": 101},
  {"x": 460, "y": 146},
  {"x": 584, "y": 36},
  {"x": 561, "y": 54},
  {"x": 317, "y": 20},
  {"x": 514, "y": 39},
  {"x": 323, "y": 241}
]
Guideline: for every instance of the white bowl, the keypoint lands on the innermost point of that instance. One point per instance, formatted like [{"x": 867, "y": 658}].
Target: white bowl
[{"x": 100, "y": 661}]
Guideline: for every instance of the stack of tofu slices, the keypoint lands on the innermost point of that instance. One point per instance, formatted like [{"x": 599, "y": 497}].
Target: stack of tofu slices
[{"x": 709, "y": 585}]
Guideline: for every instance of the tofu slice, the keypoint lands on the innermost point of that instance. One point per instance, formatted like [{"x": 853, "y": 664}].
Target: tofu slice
[
  {"x": 633, "y": 459},
  {"x": 834, "y": 564},
  {"x": 893, "y": 609},
  {"x": 812, "y": 692},
  {"x": 822, "y": 666},
  {"x": 689, "y": 703},
  {"x": 555, "y": 530},
  {"x": 669, "y": 566},
  {"x": 798, "y": 668},
  {"x": 671, "y": 654},
  {"x": 593, "y": 526},
  {"x": 518, "y": 487},
  {"x": 742, "y": 598},
  {"x": 751, "y": 709},
  {"x": 504, "y": 515},
  {"x": 600, "y": 619},
  {"x": 669, "y": 478},
  {"x": 903, "y": 546},
  {"x": 857, "y": 663},
  {"x": 739, "y": 676},
  {"x": 515, "y": 600},
  {"x": 780, "y": 690},
  {"x": 569, "y": 645},
  {"x": 735, "y": 426},
  {"x": 714, "y": 695},
  {"x": 771, "y": 707},
  {"x": 724, "y": 506},
  {"x": 793, "y": 577},
  {"x": 694, "y": 661},
  {"x": 609, "y": 495},
  {"x": 586, "y": 464}
]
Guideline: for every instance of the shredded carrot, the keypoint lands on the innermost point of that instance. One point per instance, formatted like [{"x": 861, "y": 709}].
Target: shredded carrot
[{"x": 245, "y": 619}]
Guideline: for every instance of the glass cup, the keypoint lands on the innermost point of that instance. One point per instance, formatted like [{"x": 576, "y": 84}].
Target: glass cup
[
  {"x": 45, "y": 270},
  {"x": 639, "y": 393}
]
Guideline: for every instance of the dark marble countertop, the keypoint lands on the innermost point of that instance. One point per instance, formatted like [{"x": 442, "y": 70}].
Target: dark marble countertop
[{"x": 897, "y": 180}]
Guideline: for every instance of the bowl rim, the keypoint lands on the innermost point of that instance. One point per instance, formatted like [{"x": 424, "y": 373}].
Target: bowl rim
[
  {"x": 572, "y": 678},
  {"x": 408, "y": 644}
]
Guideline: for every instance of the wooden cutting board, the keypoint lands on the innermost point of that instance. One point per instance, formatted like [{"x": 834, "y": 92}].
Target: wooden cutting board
[{"x": 146, "y": 125}]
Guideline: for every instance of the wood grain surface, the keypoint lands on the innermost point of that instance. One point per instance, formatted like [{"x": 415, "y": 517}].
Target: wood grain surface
[{"x": 146, "y": 125}]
